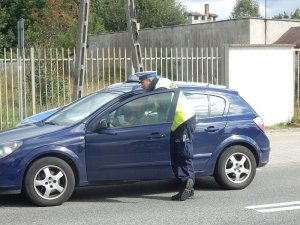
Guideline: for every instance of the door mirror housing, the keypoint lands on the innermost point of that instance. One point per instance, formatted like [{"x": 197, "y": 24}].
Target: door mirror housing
[{"x": 102, "y": 125}]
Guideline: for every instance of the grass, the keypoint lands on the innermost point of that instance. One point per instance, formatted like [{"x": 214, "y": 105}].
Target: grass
[{"x": 295, "y": 122}]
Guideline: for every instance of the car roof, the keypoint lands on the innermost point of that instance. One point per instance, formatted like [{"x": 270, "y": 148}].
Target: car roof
[
  {"x": 205, "y": 87},
  {"x": 185, "y": 86}
]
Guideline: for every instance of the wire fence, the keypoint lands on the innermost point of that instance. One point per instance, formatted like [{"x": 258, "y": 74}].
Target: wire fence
[{"x": 47, "y": 74}]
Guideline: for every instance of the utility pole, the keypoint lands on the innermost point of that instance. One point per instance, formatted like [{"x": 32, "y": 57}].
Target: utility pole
[
  {"x": 133, "y": 31},
  {"x": 21, "y": 65},
  {"x": 265, "y": 22},
  {"x": 81, "y": 45}
]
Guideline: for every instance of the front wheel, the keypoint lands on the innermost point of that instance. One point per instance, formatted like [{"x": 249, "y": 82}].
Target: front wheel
[
  {"x": 49, "y": 181},
  {"x": 236, "y": 168}
]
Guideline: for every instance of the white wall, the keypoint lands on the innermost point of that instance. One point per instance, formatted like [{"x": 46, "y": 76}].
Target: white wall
[
  {"x": 274, "y": 30},
  {"x": 264, "y": 76}
]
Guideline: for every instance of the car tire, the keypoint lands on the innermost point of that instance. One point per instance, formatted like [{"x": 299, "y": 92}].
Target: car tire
[
  {"x": 236, "y": 168},
  {"x": 49, "y": 181}
]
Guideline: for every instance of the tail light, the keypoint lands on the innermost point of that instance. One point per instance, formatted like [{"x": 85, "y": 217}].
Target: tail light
[{"x": 260, "y": 123}]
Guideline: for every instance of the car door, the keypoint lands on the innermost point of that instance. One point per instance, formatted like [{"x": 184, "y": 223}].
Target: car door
[
  {"x": 210, "y": 125},
  {"x": 136, "y": 144}
]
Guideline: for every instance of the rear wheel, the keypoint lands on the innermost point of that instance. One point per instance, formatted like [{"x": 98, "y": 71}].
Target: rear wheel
[
  {"x": 49, "y": 181},
  {"x": 236, "y": 168}
]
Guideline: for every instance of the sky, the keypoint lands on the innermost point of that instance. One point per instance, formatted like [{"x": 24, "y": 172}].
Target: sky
[{"x": 223, "y": 8}]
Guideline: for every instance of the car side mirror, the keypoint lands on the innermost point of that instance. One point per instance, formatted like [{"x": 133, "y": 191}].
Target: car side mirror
[{"x": 102, "y": 125}]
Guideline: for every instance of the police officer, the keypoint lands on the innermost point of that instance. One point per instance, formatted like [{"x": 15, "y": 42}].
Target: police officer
[{"x": 182, "y": 130}]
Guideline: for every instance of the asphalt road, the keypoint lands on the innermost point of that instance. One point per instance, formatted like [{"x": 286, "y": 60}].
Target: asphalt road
[{"x": 277, "y": 184}]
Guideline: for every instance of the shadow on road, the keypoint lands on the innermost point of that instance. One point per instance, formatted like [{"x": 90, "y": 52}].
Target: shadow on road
[
  {"x": 18, "y": 200},
  {"x": 147, "y": 190},
  {"x": 153, "y": 190}
]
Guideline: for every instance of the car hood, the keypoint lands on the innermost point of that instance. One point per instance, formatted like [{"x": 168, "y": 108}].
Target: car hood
[
  {"x": 27, "y": 132},
  {"x": 37, "y": 117}
]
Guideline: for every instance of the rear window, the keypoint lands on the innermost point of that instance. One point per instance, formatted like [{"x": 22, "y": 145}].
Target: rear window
[{"x": 206, "y": 105}]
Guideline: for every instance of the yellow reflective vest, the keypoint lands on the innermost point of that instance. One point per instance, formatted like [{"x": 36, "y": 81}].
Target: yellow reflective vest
[{"x": 183, "y": 110}]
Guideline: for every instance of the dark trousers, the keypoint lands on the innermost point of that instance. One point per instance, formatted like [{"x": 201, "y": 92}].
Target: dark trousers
[{"x": 182, "y": 151}]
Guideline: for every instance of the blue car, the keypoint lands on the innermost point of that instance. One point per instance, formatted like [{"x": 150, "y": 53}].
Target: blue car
[{"x": 122, "y": 134}]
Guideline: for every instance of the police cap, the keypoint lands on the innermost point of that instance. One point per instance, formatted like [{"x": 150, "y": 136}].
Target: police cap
[{"x": 144, "y": 75}]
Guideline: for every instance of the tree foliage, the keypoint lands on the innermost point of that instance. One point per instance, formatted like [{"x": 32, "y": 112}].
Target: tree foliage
[
  {"x": 111, "y": 12},
  {"x": 245, "y": 8},
  {"x": 10, "y": 12},
  {"x": 158, "y": 13},
  {"x": 53, "y": 23},
  {"x": 150, "y": 13},
  {"x": 285, "y": 15},
  {"x": 296, "y": 14}
]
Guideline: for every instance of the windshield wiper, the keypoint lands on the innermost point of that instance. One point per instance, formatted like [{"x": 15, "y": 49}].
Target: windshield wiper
[{"x": 51, "y": 123}]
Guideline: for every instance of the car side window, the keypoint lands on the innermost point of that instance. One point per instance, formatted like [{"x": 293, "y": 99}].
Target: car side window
[
  {"x": 217, "y": 106},
  {"x": 199, "y": 103},
  {"x": 150, "y": 109},
  {"x": 206, "y": 105}
]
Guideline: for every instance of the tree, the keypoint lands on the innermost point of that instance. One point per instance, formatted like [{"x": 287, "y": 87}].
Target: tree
[
  {"x": 6, "y": 35},
  {"x": 10, "y": 12},
  {"x": 285, "y": 15},
  {"x": 150, "y": 13},
  {"x": 245, "y": 8},
  {"x": 111, "y": 12},
  {"x": 158, "y": 13},
  {"x": 54, "y": 25},
  {"x": 296, "y": 14}
]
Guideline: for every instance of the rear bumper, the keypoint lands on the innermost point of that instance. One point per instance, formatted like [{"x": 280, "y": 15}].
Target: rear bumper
[{"x": 264, "y": 157}]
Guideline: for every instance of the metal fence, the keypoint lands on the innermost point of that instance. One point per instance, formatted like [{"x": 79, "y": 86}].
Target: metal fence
[{"x": 47, "y": 77}]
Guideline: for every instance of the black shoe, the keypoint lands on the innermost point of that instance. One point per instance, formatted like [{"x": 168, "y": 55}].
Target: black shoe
[
  {"x": 178, "y": 196},
  {"x": 187, "y": 192}
]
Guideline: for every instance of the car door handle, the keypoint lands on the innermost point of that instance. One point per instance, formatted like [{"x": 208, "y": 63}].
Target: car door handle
[
  {"x": 156, "y": 136},
  {"x": 211, "y": 129}
]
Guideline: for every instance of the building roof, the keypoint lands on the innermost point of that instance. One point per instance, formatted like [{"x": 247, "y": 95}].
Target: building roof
[
  {"x": 195, "y": 14},
  {"x": 199, "y": 14},
  {"x": 292, "y": 36},
  {"x": 213, "y": 15}
]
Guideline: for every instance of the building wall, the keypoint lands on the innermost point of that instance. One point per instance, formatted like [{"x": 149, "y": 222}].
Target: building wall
[
  {"x": 211, "y": 34},
  {"x": 263, "y": 75},
  {"x": 275, "y": 29}
]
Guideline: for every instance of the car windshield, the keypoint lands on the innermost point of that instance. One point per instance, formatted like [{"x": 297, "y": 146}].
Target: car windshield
[{"x": 80, "y": 109}]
